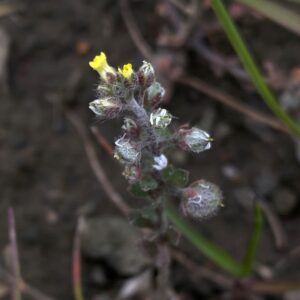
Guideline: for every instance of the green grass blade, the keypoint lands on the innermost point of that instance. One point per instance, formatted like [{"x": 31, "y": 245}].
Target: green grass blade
[
  {"x": 209, "y": 249},
  {"x": 249, "y": 64},
  {"x": 276, "y": 12},
  {"x": 250, "y": 255}
]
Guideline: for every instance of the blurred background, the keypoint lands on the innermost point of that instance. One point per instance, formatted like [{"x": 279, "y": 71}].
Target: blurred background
[{"x": 45, "y": 126}]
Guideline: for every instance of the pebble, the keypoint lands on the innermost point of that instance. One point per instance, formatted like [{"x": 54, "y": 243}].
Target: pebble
[
  {"x": 116, "y": 241},
  {"x": 284, "y": 201}
]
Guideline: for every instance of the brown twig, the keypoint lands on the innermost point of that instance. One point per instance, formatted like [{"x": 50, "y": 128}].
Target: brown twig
[
  {"x": 76, "y": 266},
  {"x": 24, "y": 287},
  {"x": 135, "y": 34},
  {"x": 277, "y": 230},
  {"x": 232, "y": 102},
  {"x": 102, "y": 141},
  {"x": 273, "y": 287},
  {"x": 14, "y": 256},
  {"x": 114, "y": 196}
]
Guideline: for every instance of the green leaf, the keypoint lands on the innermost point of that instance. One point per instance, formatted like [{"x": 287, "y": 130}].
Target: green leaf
[
  {"x": 250, "y": 66},
  {"x": 148, "y": 183},
  {"x": 144, "y": 217},
  {"x": 250, "y": 255},
  {"x": 208, "y": 248},
  {"x": 136, "y": 190},
  {"x": 176, "y": 177},
  {"x": 278, "y": 13}
]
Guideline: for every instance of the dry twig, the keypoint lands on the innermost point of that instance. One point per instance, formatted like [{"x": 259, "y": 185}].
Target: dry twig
[
  {"x": 114, "y": 196},
  {"x": 14, "y": 256},
  {"x": 102, "y": 141},
  {"x": 232, "y": 102},
  {"x": 135, "y": 34},
  {"x": 24, "y": 287},
  {"x": 277, "y": 230}
]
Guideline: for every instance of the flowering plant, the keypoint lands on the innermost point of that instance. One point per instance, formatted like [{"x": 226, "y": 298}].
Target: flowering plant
[{"x": 147, "y": 136}]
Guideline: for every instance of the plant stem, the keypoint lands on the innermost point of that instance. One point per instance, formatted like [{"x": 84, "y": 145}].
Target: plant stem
[
  {"x": 241, "y": 49},
  {"x": 142, "y": 120}
]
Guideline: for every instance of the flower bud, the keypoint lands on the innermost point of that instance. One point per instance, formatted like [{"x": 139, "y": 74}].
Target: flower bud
[
  {"x": 127, "y": 151},
  {"x": 146, "y": 74},
  {"x": 160, "y": 118},
  {"x": 130, "y": 128},
  {"x": 103, "y": 91},
  {"x": 194, "y": 139},
  {"x": 107, "y": 107},
  {"x": 201, "y": 199},
  {"x": 154, "y": 94},
  {"x": 132, "y": 173}
]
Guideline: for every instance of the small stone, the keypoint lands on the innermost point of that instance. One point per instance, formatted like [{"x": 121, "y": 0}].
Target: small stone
[
  {"x": 292, "y": 295},
  {"x": 284, "y": 201},
  {"x": 116, "y": 241},
  {"x": 244, "y": 196},
  {"x": 266, "y": 181}
]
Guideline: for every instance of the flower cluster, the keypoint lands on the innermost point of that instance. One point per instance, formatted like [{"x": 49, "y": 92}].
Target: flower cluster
[{"x": 147, "y": 134}]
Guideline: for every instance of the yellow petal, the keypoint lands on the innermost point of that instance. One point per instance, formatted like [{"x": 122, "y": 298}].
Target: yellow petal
[
  {"x": 126, "y": 71},
  {"x": 99, "y": 63}
]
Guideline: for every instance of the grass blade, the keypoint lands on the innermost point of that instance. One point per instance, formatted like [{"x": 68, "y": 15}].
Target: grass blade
[
  {"x": 276, "y": 12},
  {"x": 211, "y": 250},
  {"x": 250, "y": 255},
  {"x": 250, "y": 66}
]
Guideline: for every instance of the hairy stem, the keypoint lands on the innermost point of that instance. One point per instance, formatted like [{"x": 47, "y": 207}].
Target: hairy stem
[{"x": 142, "y": 119}]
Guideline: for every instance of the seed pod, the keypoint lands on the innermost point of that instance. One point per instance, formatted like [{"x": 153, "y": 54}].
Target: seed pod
[
  {"x": 107, "y": 107},
  {"x": 201, "y": 199},
  {"x": 160, "y": 118},
  {"x": 132, "y": 173},
  {"x": 146, "y": 74},
  {"x": 154, "y": 94},
  {"x": 103, "y": 91},
  {"x": 126, "y": 151},
  {"x": 194, "y": 139},
  {"x": 130, "y": 128}
]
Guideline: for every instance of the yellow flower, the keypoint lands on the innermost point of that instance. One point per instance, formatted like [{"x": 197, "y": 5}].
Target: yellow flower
[
  {"x": 99, "y": 64},
  {"x": 126, "y": 71}
]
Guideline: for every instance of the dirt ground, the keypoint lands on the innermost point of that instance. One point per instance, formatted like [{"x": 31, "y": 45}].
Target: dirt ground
[{"x": 45, "y": 175}]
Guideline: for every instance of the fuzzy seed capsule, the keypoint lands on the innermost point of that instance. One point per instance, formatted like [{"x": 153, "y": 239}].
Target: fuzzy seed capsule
[
  {"x": 107, "y": 107},
  {"x": 132, "y": 173},
  {"x": 154, "y": 94},
  {"x": 130, "y": 128},
  {"x": 146, "y": 74},
  {"x": 194, "y": 139},
  {"x": 201, "y": 199},
  {"x": 126, "y": 151},
  {"x": 160, "y": 118}
]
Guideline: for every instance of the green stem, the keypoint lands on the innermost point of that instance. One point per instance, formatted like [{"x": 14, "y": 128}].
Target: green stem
[
  {"x": 211, "y": 250},
  {"x": 250, "y": 66},
  {"x": 250, "y": 255}
]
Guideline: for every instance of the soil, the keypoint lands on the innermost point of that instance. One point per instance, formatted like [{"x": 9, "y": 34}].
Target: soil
[{"x": 45, "y": 175}]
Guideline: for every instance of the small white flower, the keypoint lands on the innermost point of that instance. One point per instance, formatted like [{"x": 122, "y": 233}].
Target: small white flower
[{"x": 161, "y": 162}]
